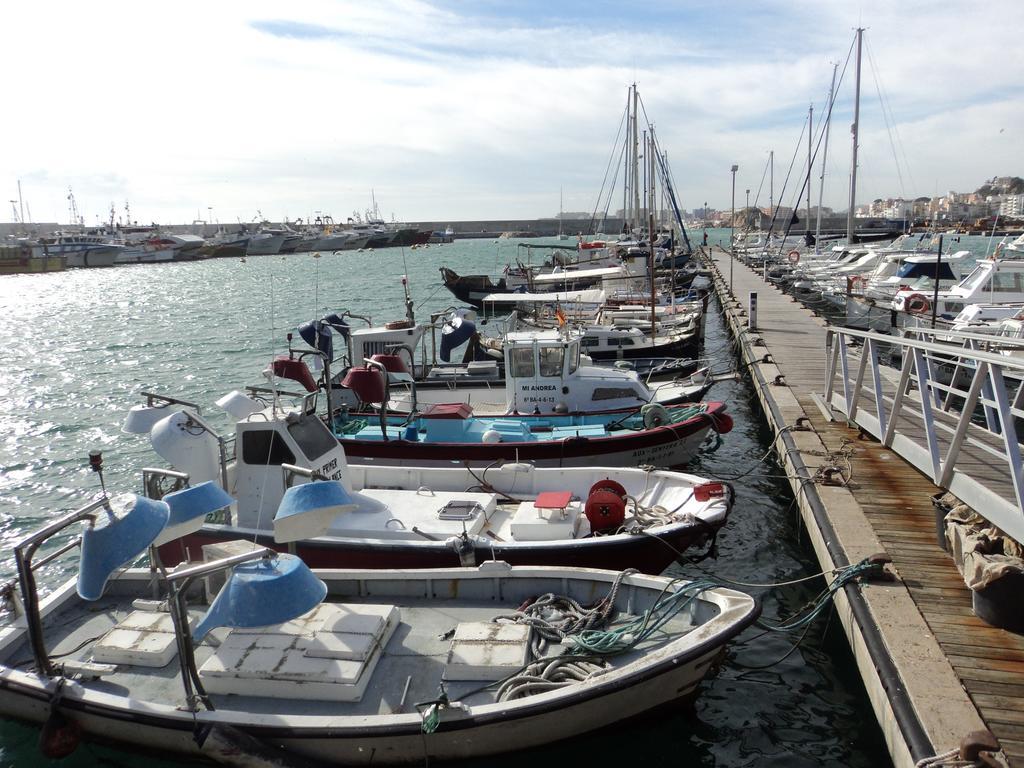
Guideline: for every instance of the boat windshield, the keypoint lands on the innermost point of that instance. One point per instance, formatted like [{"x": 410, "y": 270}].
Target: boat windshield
[
  {"x": 914, "y": 269},
  {"x": 973, "y": 281},
  {"x": 312, "y": 436},
  {"x": 551, "y": 361},
  {"x": 574, "y": 357},
  {"x": 522, "y": 363}
]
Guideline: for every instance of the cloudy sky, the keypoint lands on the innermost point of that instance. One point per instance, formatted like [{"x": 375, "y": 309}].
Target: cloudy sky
[{"x": 473, "y": 109}]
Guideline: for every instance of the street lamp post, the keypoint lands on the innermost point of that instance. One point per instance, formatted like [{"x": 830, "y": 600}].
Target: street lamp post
[
  {"x": 746, "y": 212},
  {"x": 732, "y": 227}
]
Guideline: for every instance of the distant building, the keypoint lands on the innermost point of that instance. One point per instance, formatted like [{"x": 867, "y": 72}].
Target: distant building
[{"x": 1012, "y": 207}]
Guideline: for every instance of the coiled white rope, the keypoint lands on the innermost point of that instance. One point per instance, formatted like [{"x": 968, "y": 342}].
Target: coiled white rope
[
  {"x": 948, "y": 759},
  {"x": 548, "y": 674}
]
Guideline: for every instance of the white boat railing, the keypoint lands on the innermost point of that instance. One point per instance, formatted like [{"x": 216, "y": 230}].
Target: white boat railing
[{"x": 947, "y": 406}]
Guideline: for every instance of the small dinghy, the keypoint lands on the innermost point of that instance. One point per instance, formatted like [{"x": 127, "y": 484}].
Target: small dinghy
[{"x": 278, "y": 664}]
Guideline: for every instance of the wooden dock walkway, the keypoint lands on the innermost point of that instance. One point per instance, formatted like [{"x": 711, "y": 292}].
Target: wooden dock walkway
[{"x": 946, "y": 669}]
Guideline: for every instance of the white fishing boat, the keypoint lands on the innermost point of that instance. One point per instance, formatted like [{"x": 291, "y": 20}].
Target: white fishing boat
[
  {"x": 480, "y": 378},
  {"x": 543, "y": 369},
  {"x": 81, "y": 249},
  {"x": 420, "y": 516},
  {"x": 282, "y": 665}
]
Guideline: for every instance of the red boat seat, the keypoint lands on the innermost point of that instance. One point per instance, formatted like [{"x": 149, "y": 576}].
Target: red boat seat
[{"x": 553, "y": 500}]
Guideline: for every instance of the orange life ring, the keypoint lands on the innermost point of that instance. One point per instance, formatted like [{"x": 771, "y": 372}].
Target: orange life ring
[
  {"x": 917, "y": 303},
  {"x": 794, "y": 257}
]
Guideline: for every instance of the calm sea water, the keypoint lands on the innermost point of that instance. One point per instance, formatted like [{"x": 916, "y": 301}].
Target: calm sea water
[{"x": 80, "y": 345}]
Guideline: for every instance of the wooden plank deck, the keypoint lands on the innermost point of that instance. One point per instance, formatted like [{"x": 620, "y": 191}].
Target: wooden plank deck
[{"x": 895, "y": 499}]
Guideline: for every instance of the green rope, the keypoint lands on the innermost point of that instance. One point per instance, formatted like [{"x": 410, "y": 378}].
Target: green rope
[{"x": 611, "y": 642}]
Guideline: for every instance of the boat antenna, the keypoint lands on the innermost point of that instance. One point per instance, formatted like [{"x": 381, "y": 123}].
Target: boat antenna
[
  {"x": 991, "y": 234},
  {"x": 96, "y": 463},
  {"x": 316, "y": 289},
  {"x": 273, "y": 326},
  {"x": 409, "y": 315}
]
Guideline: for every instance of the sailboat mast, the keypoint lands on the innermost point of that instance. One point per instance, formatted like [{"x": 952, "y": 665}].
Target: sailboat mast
[
  {"x": 824, "y": 155},
  {"x": 810, "y": 160},
  {"x": 636, "y": 162},
  {"x": 771, "y": 181},
  {"x": 855, "y": 131},
  {"x": 627, "y": 179},
  {"x": 649, "y": 162}
]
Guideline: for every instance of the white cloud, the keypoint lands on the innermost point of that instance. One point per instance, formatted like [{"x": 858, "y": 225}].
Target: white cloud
[{"x": 446, "y": 113}]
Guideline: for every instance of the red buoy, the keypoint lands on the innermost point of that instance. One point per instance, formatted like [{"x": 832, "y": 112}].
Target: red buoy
[
  {"x": 722, "y": 423},
  {"x": 60, "y": 736},
  {"x": 709, "y": 491}
]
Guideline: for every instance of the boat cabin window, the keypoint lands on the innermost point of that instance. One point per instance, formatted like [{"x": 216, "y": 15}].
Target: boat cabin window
[
  {"x": 913, "y": 270},
  {"x": 590, "y": 341},
  {"x": 265, "y": 447},
  {"x": 973, "y": 281},
  {"x": 574, "y": 357},
  {"x": 522, "y": 363},
  {"x": 312, "y": 436},
  {"x": 551, "y": 359},
  {"x": 1007, "y": 282}
]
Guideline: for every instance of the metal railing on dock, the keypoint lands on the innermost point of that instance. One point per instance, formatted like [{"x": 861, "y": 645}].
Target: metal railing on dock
[{"x": 949, "y": 403}]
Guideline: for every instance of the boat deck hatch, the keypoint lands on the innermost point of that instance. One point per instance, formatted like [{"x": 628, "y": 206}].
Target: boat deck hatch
[
  {"x": 460, "y": 509},
  {"x": 328, "y": 654},
  {"x": 143, "y": 639},
  {"x": 487, "y": 651}
]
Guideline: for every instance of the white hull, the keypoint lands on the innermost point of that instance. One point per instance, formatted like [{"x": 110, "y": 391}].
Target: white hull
[
  {"x": 492, "y": 400},
  {"x": 95, "y": 257},
  {"x": 374, "y": 740},
  {"x": 866, "y": 314},
  {"x": 265, "y": 245},
  {"x": 143, "y": 256}
]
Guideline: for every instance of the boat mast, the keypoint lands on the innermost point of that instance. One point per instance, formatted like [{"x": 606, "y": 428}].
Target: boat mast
[
  {"x": 649, "y": 158},
  {"x": 636, "y": 162},
  {"x": 855, "y": 130},
  {"x": 810, "y": 160},
  {"x": 21, "y": 205},
  {"x": 824, "y": 156},
  {"x": 771, "y": 182},
  {"x": 627, "y": 180}
]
